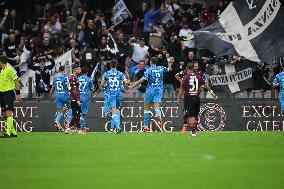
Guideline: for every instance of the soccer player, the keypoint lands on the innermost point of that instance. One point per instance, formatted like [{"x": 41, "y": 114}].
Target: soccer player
[
  {"x": 75, "y": 100},
  {"x": 179, "y": 77},
  {"x": 113, "y": 83},
  {"x": 62, "y": 97},
  {"x": 192, "y": 84},
  {"x": 86, "y": 86},
  {"x": 9, "y": 85},
  {"x": 279, "y": 81},
  {"x": 154, "y": 91}
]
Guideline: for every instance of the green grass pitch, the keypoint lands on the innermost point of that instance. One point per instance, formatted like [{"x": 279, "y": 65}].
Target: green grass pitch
[{"x": 212, "y": 160}]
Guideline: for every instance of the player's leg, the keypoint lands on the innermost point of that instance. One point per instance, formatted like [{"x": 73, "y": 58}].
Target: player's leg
[
  {"x": 282, "y": 105},
  {"x": 59, "y": 113},
  {"x": 192, "y": 124},
  {"x": 85, "y": 110},
  {"x": 114, "y": 116},
  {"x": 119, "y": 100},
  {"x": 7, "y": 106},
  {"x": 193, "y": 115},
  {"x": 148, "y": 99},
  {"x": 157, "y": 99},
  {"x": 76, "y": 114},
  {"x": 107, "y": 112}
]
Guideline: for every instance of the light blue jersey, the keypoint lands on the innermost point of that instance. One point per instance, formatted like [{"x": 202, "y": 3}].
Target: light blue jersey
[
  {"x": 86, "y": 86},
  {"x": 113, "y": 92},
  {"x": 60, "y": 85},
  {"x": 155, "y": 78},
  {"x": 114, "y": 82},
  {"x": 279, "y": 79}
]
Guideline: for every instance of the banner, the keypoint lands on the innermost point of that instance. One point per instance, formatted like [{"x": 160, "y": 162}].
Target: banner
[
  {"x": 230, "y": 78},
  {"x": 111, "y": 45},
  {"x": 223, "y": 115},
  {"x": 63, "y": 60},
  {"x": 252, "y": 29},
  {"x": 120, "y": 12}
]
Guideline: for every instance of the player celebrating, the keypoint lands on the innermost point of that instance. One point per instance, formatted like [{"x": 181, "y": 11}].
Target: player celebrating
[
  {"x": 75, "y": 100},
  {"x": 62, "y": 97},
  {"x": 191, "y": 86},
  {"x": 86, "y": 86},
  {"x": 154, "y": 91},
  {"x": 8, "y": 83},
  {"x": 279, "y": 81},
  {"x": 113, "y": 83}
]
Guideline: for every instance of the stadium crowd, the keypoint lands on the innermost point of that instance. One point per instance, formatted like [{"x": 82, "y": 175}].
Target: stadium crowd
[{"x": 155, "y": 28}]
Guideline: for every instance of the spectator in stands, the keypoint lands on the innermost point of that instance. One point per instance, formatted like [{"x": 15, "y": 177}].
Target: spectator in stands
[
  {"x": 123, "y": 49},
  {"x": 220, "y": 8},
  {"x": 169, "y": 79},
  {"x": 25, "y": 58},
  {"x": 75, "y": 51},
  {"x": 156, "y": 36},
  {"x": 42, "y": 74},
  {"x": 171, "y": 9},
  {"x": 174, "y": 46},
  {"x": 151, "y": 17},
  {"x": 91, "y": 34},
  {"x": 103, "y": 54},
  {"x": 46, "y": 48},
  {"x": 140, "y": 52},
  {"x": 186, "y": 45},
  {"x": 142, "y": 88},
  {"x": 13, "y": 23},
  {"x": 10, "y": 47}
]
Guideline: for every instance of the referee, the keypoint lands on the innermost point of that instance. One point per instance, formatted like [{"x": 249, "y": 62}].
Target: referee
[{"x": 8, "y": 84}]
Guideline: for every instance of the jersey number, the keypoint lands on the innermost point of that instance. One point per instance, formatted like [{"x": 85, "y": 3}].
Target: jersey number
[
  {"x": 59, "y": 86},
  {"x": 113, "y": 83},
  {"x": 158, "y": 75},
  {"x": 193, "y": 82},
  {"x": 82, "y": 86}
]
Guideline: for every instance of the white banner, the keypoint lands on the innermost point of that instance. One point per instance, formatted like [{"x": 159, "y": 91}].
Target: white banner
[{"x": 120, "y": 12}]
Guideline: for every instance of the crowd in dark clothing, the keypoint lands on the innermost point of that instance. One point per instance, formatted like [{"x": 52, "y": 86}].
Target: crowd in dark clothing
[{"x": 155, "y": 28}]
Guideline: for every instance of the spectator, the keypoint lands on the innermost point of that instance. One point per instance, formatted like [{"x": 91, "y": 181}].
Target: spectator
[
  {"x": 10, "y": 47},
  {"x": 186, "y": 45},
  {"x": 140, "y": 73},
  {"x": 140, "y": 52},
  {"x": 46, "y": 48},
  {"x": 156, "y": 36},
  {"x": 171, "y": 9},
  {"x": 25, "y": 58},
  {"x": 220, "y": 8},
  {"x": 13, "y": 23},
  {"x": 150, "y": 18},
  {"x": 75, "y": 51},
  {"x": 103, "y": 54},
  {"x": 91, "y": 34},
  {"x": 174, "y": 46},
  {"x": 123, "y": 49},
  {"x": 169, "y": 79},
  {"x": 42, "y": 74}
]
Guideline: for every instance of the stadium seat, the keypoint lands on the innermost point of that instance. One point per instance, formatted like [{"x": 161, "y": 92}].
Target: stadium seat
[
  {"x": 255, "y": 94},
  {"x": 242, "y": 94}
]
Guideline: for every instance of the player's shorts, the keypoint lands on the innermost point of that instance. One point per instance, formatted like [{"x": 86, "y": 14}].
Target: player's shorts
[
  {"x": 112, "y": 102},
  {"x": 153, "y": 96},
  {"x": 191, "y": 106},
  {"x": 7, "y": 100},
  {"x": 85, "y": 105},
  {"x": 61, "y": 100},
  {"x": 76, "y": 109}
]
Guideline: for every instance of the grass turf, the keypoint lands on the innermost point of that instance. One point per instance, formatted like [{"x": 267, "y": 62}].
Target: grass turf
[{"x": 143, "y": 160}]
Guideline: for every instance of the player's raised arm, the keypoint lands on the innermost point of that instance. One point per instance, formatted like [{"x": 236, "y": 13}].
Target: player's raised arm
[
  {"x": 206, "y": 86},
  {"x": 17, "y": 84},
  {"x": 51, "y": 92}
]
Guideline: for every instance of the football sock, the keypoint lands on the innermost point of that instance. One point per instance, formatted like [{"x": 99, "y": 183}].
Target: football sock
[
  {"x": 114, "y": 120},
  {"x": 146, "y": 118},
  {"x": 82, "y": 122},
  {"x": 10, "y": 126},
  {"x": 69, "y": 115},
  {"x": 77, "y": 122},
  {"x": 58, "y": 117},
  {"x": 118, "y": 119},
  {"x": 158, "y": 112}
]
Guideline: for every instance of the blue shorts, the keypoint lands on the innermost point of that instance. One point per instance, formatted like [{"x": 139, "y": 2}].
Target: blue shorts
[
  {"x": 153, "y": 96},
  {"x": 61, "y": 100},
  {"x": 85, "y": 104},
  {"x": 112, "y": 102}
]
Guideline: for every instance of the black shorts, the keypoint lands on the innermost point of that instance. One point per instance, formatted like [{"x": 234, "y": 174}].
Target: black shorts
[
  {"x": 76, "y": 109},
  {"x": 7, "y": 100},
  {"x": 191, "y": 106}
]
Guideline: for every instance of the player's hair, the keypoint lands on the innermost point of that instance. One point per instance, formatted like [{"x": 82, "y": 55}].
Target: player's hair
[
  {"x": 154, "y": 60},
  {"x": 3, "y": 59},
  {"x": 113, "y": 64},
  {"x": 190, "y": 66},
  {"x": 74, "y": 66},
  {"x": 84, "y": 70},
  {"x": 61, "y": 68}
]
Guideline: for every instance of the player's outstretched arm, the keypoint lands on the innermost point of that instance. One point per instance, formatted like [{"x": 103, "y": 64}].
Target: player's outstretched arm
[
  {"x": 206, "y": 86},
  {"x": 180, "y": 93},
  {"x": 51, "y": 92},
  {"x": 18, "y": 93},
  {"x": 137, "y": 83}
]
